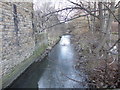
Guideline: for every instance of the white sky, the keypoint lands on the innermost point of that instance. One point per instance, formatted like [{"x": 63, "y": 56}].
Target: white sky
[
  {"x": 62, "y": 3},
  {"x": 59, "y": 4}
]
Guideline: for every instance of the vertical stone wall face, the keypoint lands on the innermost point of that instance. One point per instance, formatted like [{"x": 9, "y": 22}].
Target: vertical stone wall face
[
  {"x": 0, "y": 47},
  {"x": 49, "y": 27},
  {"x": 16, "y": 35}
]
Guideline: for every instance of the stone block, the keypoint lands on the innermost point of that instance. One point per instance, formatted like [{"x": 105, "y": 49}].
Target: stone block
[{"x": 16, "y": 46}]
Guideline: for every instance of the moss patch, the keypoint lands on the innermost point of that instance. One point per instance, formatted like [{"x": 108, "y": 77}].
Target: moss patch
[{"x": 116, "y": 33}]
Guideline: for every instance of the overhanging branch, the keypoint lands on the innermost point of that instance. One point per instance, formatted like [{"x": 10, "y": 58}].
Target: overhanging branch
[
  {"x": 65, "y": 21},
  {"x": 68, "y": 8},
  {"x": 111, "y": 12},
  {"x": 83, "y": 8}
]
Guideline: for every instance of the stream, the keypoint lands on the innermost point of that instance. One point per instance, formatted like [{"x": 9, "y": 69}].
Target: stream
[{"x": 57, "y": 70}]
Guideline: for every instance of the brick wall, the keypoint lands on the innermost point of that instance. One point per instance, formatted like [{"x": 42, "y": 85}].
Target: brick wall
[{"x": 16, "y": 38}]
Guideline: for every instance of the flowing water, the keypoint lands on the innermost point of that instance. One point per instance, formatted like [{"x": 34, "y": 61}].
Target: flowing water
[{"x": 57, "y": 70}]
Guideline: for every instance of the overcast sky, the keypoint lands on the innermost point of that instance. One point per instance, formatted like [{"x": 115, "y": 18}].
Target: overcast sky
[
  {"x": 57, "y": 3},
  {"x": 61, "y": 3}
]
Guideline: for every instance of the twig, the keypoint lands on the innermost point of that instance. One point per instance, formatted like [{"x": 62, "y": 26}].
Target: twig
[
  {"x": 111, "y": 13},
  {"x": 112, "y": 62},
  {"x": 77, "y": 80},
  {"x": 84, "y": 9},
  {"x": 68, "y": 19},
  {"x": 114, "y": 44},
  {"x": 117, "y": 4},
  {"x": 68, "y": 8},
  {"x": 64, "y": 21}
]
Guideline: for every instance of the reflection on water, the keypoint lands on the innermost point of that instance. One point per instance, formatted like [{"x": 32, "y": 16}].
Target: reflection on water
[
  {"x": 65, "y": 40},
  {"x": 53, "y": 72},
  {"x": 61, "y": 67}
]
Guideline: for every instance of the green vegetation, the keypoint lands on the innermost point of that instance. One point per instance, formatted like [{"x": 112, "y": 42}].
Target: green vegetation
[
  {"x": 116, "y": 33},
  {"x": 39, "y": 50}
]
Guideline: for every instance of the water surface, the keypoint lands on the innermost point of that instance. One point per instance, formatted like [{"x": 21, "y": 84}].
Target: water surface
[{"x": 55, "y": 71}]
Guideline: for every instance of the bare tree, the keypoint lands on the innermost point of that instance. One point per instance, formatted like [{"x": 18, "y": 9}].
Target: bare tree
[{"x": 102, "y": 13}]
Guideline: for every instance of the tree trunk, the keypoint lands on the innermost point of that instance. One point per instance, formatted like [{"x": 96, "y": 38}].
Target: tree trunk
[
  {"x": 105, "y": 38},
  {"x": 100, "y": 6},
  {"x": 119, "y": 48}
]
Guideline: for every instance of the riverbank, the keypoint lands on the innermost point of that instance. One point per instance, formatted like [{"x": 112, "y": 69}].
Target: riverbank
[
  {"x": 56, "y": 70},
  {"x": 47, "y": 51},
  {"x": 40, "y": 53},
  {"x": 101, "y": 72}
]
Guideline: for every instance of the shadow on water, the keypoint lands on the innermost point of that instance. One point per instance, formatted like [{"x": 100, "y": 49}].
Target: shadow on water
[
  {"x": 30, "y": 77},
  {"x": 55, "y": 71}
]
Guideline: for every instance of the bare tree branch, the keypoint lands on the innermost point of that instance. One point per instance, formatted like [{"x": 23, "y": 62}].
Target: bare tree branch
[
  {"x": 68, "y": 8},
  {"x": 84, "y": 9},
  {"x": 114, "y": 44},
  {"x": 68, "y": 14},
  {"x": 65, "y": 21},
  {"x": 111, "y": 12},
  {"x": 117, "y": 4},
  {"x": 77, "y": 80}
]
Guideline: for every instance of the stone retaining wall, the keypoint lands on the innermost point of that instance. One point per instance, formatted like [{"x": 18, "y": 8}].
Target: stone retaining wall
[
  {"x": 16, "y": 38},
  {"x": 20, "y": 46}
]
